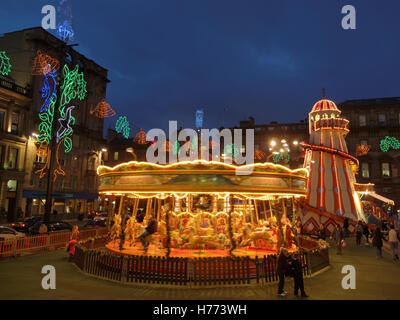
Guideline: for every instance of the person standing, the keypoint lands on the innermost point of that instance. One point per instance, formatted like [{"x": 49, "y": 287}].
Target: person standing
[
  {"x": 366, "y": 233},
  {"x": 377, "y": 242},
  {"x": 394, "y": 242},
  {"x": 359, "y": 232},
  {"x": 338, "y": 236},
  {"x": 43, "y": 228},
  {"x": 297, "y": 274},
  {"x": 282, "y": 270},
  {"x": 346, "y": 227},
  {"x": 322, "y": 232}
]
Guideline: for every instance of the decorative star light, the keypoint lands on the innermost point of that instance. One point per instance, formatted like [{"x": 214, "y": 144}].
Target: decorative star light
[
  {"x": 122, "y": 126},
  {"x": 5, "y": 65}
]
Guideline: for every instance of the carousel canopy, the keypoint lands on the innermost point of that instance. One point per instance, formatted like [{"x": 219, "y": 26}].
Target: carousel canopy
[{"x": 256, "y": 180}]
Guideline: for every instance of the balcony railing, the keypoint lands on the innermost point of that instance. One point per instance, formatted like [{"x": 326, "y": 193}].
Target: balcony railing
[{"x": 15, "y": 88}]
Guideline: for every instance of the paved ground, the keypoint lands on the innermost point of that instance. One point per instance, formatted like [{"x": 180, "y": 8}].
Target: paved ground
[{"x": 375, "y": 279}]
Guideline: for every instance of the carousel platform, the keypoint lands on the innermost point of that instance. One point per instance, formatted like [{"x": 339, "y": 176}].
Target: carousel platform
[{"x": 137, "y": 250}]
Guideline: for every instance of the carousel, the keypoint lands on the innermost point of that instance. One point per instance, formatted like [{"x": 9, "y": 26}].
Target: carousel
[{"x": 202, "y": 208}]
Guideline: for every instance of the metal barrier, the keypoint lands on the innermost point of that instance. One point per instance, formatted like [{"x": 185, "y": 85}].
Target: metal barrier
[{"x": 18, "y": 246}]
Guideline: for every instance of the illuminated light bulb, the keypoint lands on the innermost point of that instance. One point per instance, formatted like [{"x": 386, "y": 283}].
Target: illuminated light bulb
[
  {"x": 273, "y": 143},
  {"x": 295, "y": 142},
  {"x": 281, "y": 150},
  {"x": 283, "y": 141}
]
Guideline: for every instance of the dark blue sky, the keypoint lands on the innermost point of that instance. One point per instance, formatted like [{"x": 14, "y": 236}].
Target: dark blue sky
[{"x": 266, "y": 59}]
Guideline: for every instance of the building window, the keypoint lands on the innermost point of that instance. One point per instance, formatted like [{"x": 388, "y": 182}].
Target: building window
[
  {"x": 385, "y": 169},
  {"x": 363, "y": 120},
  {"x": 115, "y": 156},
  {"x": 365, "y": 170},
  {"x": 12, "y": 158},
  {"x": 14, "y": 123},
  {"x": 2, "y": 116},
  {"x": 382, "y": 118}
]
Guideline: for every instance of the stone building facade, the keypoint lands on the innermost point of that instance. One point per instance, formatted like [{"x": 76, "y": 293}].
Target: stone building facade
[
  {"x": 76, "y": 192},
  {"x": 371, "y": 120}
]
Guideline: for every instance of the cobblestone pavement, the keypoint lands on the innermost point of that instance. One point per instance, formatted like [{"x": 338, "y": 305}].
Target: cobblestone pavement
[{"x": 20, "y": 278}]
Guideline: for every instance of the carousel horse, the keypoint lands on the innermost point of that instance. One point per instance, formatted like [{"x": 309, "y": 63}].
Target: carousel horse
[
  {"x": 115, "y": 232},
  {"x": 130, "y": 230}
]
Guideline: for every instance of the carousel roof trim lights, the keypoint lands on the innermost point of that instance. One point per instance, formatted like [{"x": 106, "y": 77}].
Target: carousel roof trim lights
[{"x": 202, "y": 162}]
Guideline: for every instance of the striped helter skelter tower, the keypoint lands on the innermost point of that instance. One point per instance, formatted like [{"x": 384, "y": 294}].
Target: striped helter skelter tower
[{"x": 330, "y": 186}]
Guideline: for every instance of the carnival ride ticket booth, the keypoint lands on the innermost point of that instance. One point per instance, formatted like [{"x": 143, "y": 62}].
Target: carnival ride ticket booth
[{"x": 202, "y": 208}]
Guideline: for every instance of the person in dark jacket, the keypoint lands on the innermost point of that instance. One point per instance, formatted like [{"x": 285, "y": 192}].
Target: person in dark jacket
[
  {"x": 282, "y": 270},
  {"x": 322, "y": 232},
  {"x": 359, "y": 232},
  {"x": 346, "y": 227},
  {"x": 366, "y": 232},
  {"x": 338, "y": 236},
  {"x": 297, "y": 274},
  {"x": 151, "y": 228},
  {"x": 377, "y": 242}
]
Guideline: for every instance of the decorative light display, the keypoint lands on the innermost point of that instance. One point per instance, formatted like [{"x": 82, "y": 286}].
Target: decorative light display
[
  {"x": 141, "y": 137},
  {"x": 49, "y": 90},
  {"x": 362, "y": 150},
  {"x": 64, "y": 29},
  {"x": 177, "y": 148},
  {"x": 5, "y": 65},
  {"x": 199, "y": 118},
  {"x": 73, "y": 87},
  {"x": 389, "y": 142},
  {"x": 122, "y": 126},
  {"x": 259, "y": 155},
  {"x": 278, "y": 157},
  {"x": 231, "y": 150},
  {"x": 103, "y": 110},
  {"x": 44, "y": 64}
]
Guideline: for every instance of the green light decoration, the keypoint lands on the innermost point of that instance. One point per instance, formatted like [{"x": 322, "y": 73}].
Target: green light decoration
[
  {"x": 122, "y": 126},
  {"x": 176, "y": 148},
  {"x": 389, "y": 142},
  {"x": 281, "y": 157},
  {"x": 74, "y": 87},
  {"x": 230, "y": 149},
  {"x": 5, "y": 65}
]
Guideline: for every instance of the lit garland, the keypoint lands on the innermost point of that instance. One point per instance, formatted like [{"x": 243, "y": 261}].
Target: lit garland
[
  {"x": 281, "y": 156},
  {"x": 389, "y": 142},
  {"x": 5, "y": 65},
  {"x": 259, "y": 155},
  {"x": 230, "y": 149},
  {"x": 103, "y": 110},
  {"x": 122, "y": 126}
]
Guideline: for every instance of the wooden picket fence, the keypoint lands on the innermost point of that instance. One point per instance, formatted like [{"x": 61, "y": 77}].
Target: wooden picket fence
[
  {"x": 50, "y": 241},
  {"x": 186, "y": 271}
]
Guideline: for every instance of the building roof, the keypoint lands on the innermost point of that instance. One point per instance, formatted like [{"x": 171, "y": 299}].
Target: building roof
[
  {"x": 324, "y": 105},
  {"x": 370, "y": 102}
]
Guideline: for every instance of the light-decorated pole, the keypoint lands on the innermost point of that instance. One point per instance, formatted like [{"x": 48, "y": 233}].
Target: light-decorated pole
[{"x": 53, "y": 143}]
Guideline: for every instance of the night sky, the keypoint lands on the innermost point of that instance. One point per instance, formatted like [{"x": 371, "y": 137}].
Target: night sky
[{"x": 233, "y": 58}]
